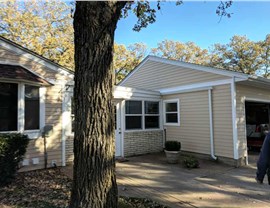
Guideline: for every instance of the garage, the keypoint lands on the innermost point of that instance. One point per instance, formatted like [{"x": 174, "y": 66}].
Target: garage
[{"x": 257, "y": 124}]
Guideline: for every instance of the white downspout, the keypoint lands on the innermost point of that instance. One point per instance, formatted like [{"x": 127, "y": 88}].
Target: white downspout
[
  {"x": 211, "y": 124},
  {"x": 64, "y": 109},
  {"x": 234, "y": 124}
]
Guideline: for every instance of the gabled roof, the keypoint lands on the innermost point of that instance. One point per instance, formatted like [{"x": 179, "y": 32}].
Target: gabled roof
[
  {"x": 187, "y": 65},
  {"x": 34, "y": 56},
  {"x": 11, "y": 72}
]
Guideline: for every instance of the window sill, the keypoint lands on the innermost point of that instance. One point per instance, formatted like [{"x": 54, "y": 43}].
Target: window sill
[
  {"x": 32, "y": 134},
  {"x": 142, "y": 130}
]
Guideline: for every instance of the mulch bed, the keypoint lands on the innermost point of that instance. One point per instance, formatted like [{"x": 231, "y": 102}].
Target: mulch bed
[{"x": 51, "y": 189}]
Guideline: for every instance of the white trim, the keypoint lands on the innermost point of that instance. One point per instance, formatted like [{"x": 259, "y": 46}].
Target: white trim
[
  {"x": 42, "y": 108},
  {"x": 35, "y": 58},
  {"x": 212, "y": 145},
  {"x": 178, "y": 112},
  {"x": 21, "y": 107},
  {"x": 186, "y": 65},
  {"x": 234, "y": 123},
  {"x": 195, "y": 87},
  {"x": 122, "y": 121}
]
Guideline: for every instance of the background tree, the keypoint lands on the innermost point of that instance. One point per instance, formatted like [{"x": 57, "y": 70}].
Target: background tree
[
  {"x": 240, "y": 54},
  {"x": 265, "y": 57},
  {"x": 187, "y": 52},
  {"x": 126, "y": 59},
  {"x": 94, "y": 182},
  {"x": 42, "y": 26}
]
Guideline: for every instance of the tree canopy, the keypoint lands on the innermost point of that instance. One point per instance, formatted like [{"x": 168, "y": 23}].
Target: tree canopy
[{"x": 42, "y": 26}]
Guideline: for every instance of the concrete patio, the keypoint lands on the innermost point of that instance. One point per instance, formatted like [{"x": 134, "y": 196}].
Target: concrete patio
[{"x": 211, "y": 185}]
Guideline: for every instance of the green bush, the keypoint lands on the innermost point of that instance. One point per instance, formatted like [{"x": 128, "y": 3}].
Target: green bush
[
  {"x": 191, "y": 162},
  {"x": 12, "y": 149},
  {"x": 172, "y": 146}
]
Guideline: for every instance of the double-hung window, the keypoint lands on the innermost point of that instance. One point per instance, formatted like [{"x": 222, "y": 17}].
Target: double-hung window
[
  {"x": 171, "y": 112},
  {"x": 142, "y": 115},
  {"x": 133, "y": 115},
  {"x": 19, "y": 107},
  {"x": 151, "y": 117}
]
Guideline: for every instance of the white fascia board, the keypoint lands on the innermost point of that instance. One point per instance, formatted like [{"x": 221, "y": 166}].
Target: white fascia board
[
  {"x": 198, "y": 67},
  {"x": 134, "y": 70},
  {"x": 195, "y": 87},
  {"x": 26, "y": 54},
  {"x": 120, "y": 92}
]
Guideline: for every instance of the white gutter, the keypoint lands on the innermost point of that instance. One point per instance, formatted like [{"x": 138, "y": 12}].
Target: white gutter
[
  {"x": 211, "y": 124},
  {"x": 234, "y": 124}
]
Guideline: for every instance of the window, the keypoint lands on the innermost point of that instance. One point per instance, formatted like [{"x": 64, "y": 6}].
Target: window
[
  {"x": 133, "y": 115},
  {"x": 171, "y": 112},
  {"x": 19, "y": 107},
  {"x": 8, "y": 107},
  {"x": 151, "y": 119},
  {"x": 142, "y": 115},
  {"x": 31, "y": 107}
]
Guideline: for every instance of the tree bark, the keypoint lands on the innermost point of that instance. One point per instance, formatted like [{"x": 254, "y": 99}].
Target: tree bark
[{"x": 94, "y": 182}]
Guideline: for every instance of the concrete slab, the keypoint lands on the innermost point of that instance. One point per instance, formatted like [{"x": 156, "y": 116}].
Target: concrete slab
[{"x": 211, "y": 185}]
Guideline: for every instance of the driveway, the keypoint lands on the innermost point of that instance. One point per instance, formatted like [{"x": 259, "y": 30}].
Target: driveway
[{"x": 211, "y": 185}]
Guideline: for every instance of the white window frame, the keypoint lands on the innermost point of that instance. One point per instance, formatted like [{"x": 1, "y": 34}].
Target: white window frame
[
  {"x": 33, "y": 133},
  {"x": 138, "y": 115},
  {"x": 143, "y": 115},
  {"x": 178, "y": 112}
]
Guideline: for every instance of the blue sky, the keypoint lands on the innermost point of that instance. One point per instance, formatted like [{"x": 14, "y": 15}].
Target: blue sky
[{"x": 197, "y": 22}]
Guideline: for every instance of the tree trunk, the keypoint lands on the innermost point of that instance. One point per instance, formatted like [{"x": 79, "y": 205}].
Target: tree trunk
[{"x": 94, "y": 182}]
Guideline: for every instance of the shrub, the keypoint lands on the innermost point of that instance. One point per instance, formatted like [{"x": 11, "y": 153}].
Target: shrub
[
  {"x": 12, "y": 148},
  {"x": 191, "y": 162},
  {"x": 172, "y": 146}
]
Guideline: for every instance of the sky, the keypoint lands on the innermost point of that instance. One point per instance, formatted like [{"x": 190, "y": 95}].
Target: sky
[{"x": 197, "y": 22}]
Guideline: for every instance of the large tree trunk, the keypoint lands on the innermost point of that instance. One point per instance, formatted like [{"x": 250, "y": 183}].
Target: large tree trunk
[{"x": 94, "y": 182}]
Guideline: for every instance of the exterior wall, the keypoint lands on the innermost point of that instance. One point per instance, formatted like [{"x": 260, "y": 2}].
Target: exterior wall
[
  {"x": 69, "y": 149},
  {"x": 194, "y": 129},
  {"x": 244, "y": 93},
  {"x": 142, "y": 142},
  {"x": 166, "y": 76},
  {"x": 222, "y": 121},
  {"x": 53, "y": 110}
]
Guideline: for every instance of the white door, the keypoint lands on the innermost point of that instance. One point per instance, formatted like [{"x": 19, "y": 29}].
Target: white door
[{"x": 117, "y": 117}]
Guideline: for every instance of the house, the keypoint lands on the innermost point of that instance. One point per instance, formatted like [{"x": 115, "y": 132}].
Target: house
[
  {"x": 207, "y": 109},
  {"x": 35, "y": 93},
  {"x": 212, "y": 112}
]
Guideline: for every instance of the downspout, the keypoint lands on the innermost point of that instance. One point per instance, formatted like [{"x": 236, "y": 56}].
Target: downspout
[
  {"x": 211, "y": 124},
  {"x": 234, "y": 125},
  {"x": 63, "y": 138}
]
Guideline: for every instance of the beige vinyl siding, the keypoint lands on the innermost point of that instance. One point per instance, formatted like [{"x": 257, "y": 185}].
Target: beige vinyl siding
[
  {"x": 244, "y": 92},
  {"x": 194, "y": 129},
  {"x": 154, "y": 75},
  {"x": 40, "y": 69},
  {"x": 222, "y": 120},
  {"x": 53, "y": 110}
]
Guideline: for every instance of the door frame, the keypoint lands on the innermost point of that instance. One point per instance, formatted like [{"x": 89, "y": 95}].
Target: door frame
[{"x": 119, "y": 124}]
